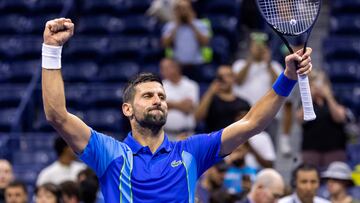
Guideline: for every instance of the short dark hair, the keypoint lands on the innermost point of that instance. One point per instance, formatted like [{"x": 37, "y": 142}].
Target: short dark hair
[
  {"x": 18, "y": 183},
  {"x": 52, "y": 188},
  {"x": 59, "y": 146},
  {"x": 71, "y": 189},
  {"x": 129, "y": 90},
  {"x": 303, "y": 167}
]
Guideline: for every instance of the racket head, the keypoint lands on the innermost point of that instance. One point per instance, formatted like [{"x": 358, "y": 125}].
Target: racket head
[{"x": 290, "y": 17}]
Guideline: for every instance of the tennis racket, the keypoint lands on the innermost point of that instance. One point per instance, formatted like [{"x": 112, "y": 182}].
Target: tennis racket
[{"x": 293, "y": 18}]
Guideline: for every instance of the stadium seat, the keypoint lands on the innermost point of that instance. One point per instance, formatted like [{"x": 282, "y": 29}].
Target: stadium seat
[
  {"x": 7, "y": 118},
  {"x": 221, "y": 49},
  {"x": 137, "y": 7},
  {"x": 139, "y": 25},
  {"x": 104, "y": 6},
  {"x": 14, "y": 6},
  {"x": 336, "y": 48},
  {"x": 46, "y": 6},
  {"x": 126, "y": 48},
  {"x": 345, "y": 24},
  {"x": 222, "y": 7},
  {"x": 353, "y": 154},
  {"x": 227, "y": 27},
  {"x": 345, "y": 6},
  {"x": 345, "y": 71},
  {"x": 150, "y": 68},
  {"x": 11, "y": 95},
  {"x": 104, "y": 119},
  {"x": 118, "y": 71},
  {"x": 27, "y": 173},
  {"x": 20, "y": 47},
  {"x": 355, "y": 192},
  {"x": 37, "y": 141},
  {"x": 77, "y": 96},
  {"x": 80, "y": 71},
  {"x": 42, "y": 157},
  {"x": 84, "y": 47},
  {"x": 207, "y": 73},
  {"x": 100, "y": 24},
  {"x": 105, "y": 95},
  {"x": 40, "y": 124},
  {"x": 23, "y": 70}
]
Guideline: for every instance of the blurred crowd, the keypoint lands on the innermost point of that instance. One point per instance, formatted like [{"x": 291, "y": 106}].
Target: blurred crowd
[{"x": 249, "y": 174}]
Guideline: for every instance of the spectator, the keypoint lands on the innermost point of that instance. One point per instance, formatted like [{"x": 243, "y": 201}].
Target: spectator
[
  {"x": 338, "y": 180},
  {"x": 6, "y": 176},
  {"x": 64, "y": 168},
  {"x": 88, "y": 179},
  {"x": 212, "y": 184},
  {"x": 186, "y": 35},
  {"x": 256, "y": 74},
  {"x": 306, "y": 181},
  {"x": 48, "y": 193},
  {"x": 16, "y": 192},
  {"x": 239, "y": 177},
  {"x": 220, "y": 107},
  {"x": 268, "y": 187},
  {"x": 182, "y": 98},
  {"x": 70, "y": 192},
  {"x": 324, "y": 138}
]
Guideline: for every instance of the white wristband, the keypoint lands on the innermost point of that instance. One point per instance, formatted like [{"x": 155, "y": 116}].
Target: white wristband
[{"x": 51, "y": 56}]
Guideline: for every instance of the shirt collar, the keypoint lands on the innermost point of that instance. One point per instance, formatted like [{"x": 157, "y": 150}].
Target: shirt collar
[{"x": 135, "y": 146}]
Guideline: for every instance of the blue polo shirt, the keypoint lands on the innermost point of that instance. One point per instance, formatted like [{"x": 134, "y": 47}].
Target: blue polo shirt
[{"x": 129, "y": 172}]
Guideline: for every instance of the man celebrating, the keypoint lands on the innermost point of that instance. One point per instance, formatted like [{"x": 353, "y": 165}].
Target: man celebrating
[{"x": 147, "y": 167}]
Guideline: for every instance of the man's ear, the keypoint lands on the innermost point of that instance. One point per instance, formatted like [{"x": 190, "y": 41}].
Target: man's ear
[{"x": 127, "y": 110}]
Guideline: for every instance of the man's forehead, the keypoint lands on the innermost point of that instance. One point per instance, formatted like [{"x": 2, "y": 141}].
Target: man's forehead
[{"x": 149, "y": 87}]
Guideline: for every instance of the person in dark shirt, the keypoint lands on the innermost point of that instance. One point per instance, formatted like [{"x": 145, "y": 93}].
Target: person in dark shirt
[
  {"x": 219, "y": 107},
  {"x": 324, "y": 138}
]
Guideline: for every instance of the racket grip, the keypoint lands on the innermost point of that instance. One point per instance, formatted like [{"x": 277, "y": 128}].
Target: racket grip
[{"x": 306, "y": 99}]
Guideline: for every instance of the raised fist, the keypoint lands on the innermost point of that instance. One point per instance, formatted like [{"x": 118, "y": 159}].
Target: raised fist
[{"x": 58, "y": 31}]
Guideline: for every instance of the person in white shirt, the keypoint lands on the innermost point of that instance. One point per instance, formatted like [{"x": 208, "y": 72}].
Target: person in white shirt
[
  {"x": 256, "y": 74},
  {"x": 182, "y": 98},
  {"x": 268, "y": 187},
  {"x": 64, "y": 168},
  {"x": 306, "y": 181}
]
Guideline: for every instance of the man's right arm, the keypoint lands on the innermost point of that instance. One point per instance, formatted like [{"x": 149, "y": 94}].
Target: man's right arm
[{"x": 71, "y": 128}]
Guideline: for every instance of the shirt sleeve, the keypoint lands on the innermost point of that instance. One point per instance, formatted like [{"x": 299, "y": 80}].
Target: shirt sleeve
[
  {"x": 202, "y": 27},
  {"x": 100, "y": 152},
  {"x": 206, "y": 150},
  {"x": 263, "y": 145},
  {"x": 238, "y": 65},
  {"x": 167, "y": 29}
]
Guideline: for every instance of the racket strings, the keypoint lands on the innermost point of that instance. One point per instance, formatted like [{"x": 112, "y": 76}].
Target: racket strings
[{"x": 290, "y": 16}]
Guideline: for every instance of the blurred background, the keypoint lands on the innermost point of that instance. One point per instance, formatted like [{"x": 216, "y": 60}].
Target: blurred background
[{"x": 116, "y": 39}]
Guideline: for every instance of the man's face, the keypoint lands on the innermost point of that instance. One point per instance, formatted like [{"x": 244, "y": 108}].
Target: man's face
[
  {"x": 168, "y": 69},
  {"x": 270, "y": 194},
  {"x": 6, "y": 174},
  {"x": 149, "y": 105},
  {"x": 226, "y": 78},
  {"x": 335, "y": 186},
  {"x": 307, "y": 183},
  {"x": 15, "y": 195}
]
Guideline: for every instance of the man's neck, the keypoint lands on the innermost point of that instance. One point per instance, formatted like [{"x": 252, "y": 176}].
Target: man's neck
[
  {"x": 302, "y": 200},
  {"x": 226, "y": 96},
  {"x": 65, "y": 160},
  {"x": 176, "y": 79},
  {"x": 147, "y": 137}
]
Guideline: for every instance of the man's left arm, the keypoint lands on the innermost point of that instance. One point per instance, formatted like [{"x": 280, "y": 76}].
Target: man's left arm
[{"x": 262, "y": 113}]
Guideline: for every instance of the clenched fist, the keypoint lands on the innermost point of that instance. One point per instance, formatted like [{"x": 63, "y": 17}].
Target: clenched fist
[{"x": 58, "y": 31}]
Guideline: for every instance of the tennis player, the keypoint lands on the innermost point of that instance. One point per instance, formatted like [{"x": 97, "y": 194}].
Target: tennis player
[{"x": 146, "y": 166}]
